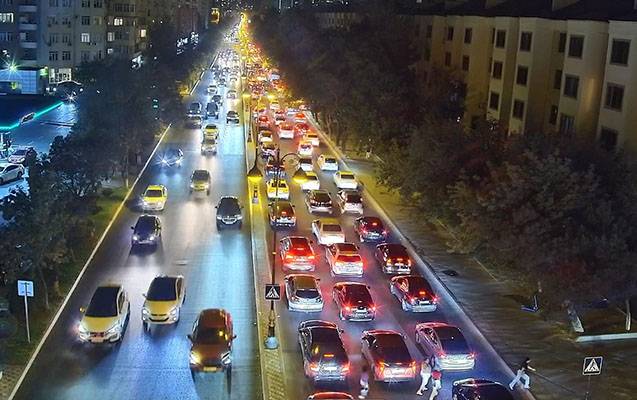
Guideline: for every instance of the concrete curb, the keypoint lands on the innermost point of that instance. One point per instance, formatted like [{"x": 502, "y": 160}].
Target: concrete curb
[
  {"x": 85, "y": 267},
  {"x": 605, "y": 337},
  {"x": 429, "y": 272},
  {"x": 271, "y": 361}
]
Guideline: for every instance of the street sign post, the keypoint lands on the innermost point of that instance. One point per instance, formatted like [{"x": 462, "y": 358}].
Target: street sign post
[
  {"x": 272, "y": 291},
  {"x": 25, "y": 289},
  {"x": 592, "y": 366}
]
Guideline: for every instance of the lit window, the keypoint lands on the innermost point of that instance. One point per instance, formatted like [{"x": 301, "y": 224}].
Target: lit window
[
  {"x": 119, "y": 21},
  {"x": 85, "y": 38},
  {"x": 142, "y": 33},
  {"x": 110, "y": 36},
  {"x": 6, "y": 18}
]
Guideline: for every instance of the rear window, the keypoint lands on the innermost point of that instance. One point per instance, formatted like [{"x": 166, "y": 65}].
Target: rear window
[
  {"x": 347, "y": 176},
  {"x": 349, "y": 258},
  {"x": 322, "y": 197},
  {"x": 354, "y": 198},
  {"x": 330, "y": 160},
  {"x": 452, "y": 341},
  {"x": 200, "y": 175},
  {"x": 307, "y": 293},
  {"x": 331, "y": 228}
]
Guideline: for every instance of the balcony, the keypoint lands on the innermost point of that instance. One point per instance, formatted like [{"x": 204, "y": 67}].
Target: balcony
[
  {"x": 27, "y": 8},
  {"x": 28, "y": 63},
  {"x": 27, "y": 26},
  {"x": 26, "y": 44}
]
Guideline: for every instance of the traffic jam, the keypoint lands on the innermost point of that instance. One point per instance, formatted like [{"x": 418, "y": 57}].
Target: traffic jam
[{"x": 354, "y": 299}]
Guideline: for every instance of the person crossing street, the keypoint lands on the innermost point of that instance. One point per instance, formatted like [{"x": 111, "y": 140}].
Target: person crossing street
[
  {"x": 522, "y": 374},
  {"x": 364, "y": 382},
  {"x": 425, "y": 374}
]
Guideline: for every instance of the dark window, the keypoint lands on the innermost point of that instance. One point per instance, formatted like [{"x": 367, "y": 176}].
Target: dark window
[
  {"x": 450, "y": 33},
  {"x": 553, "y": 115},
  {"x": 500, "y": 38},
  {"x": 522, "y": 77},
  {"x": 576, "y": 46},
  {"x": 427, "y": 54},
  {"x": 465, "y": 63},
  {"x": 562, "y": 43},
  {"x": 497, "y": 70},
  {"x": 571, "y": 85},
  {"x": 492, "y": 35},
  {"x": 518, "y": 109},
  {"x": 494, "y": 101},
  {"x": 525, "y": 41},
  {"x": 557, "y": 79},
  {"x": 448, "y": 59},
  {"x": 608, "y": 139},
  {"x": 428, "y": 32},
  {"x": 614, "y": 96},
  {"x": 468, "y": 34},
  {"x": 619, "y": 52},
  {"x": 567, "y": 124}
]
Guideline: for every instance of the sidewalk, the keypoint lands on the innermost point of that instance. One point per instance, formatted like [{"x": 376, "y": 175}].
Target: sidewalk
[{"x": 490, "y": 304}]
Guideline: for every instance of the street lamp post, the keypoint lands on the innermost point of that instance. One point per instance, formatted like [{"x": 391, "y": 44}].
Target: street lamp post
[{"x": 271, "y": 342}]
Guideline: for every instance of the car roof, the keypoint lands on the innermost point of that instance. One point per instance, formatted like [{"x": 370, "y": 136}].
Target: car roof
[
  {"x": 212, "y": 317},
  {"x": 155, "y": 187},
  {"x": 107, "y": 291},
  {"x": 304, "y": 281},
  {"x": 346, "y": 247}
]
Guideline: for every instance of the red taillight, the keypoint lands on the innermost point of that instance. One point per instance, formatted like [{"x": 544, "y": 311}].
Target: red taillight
[
  {"x": 442, "y": 355},
  {"x": 363, "y": 230},
  {"x": 381, "y": 368},
  {"x": 412, "y": 365},
  {"x": 388, "y": 261},
  {"x": 409, "y": 262},
  {"x": 374, "y": 223},
  {"x": 435, "y": 300},
  {"x": 422, "y": 293},
  {"x": 328, "y": 356},
  {"x": 310, "y": 257},
  {"x": 373, "y": 308},
  {"x": 345, "y": 368},
  {"x": 289, "y": 256},
  {"x": 471, "y": 356},
  {"x": 314, "y": 367},
  {"x": 348, "y": 308}
]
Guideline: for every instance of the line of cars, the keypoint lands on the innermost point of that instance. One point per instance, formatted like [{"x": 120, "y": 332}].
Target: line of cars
[
  {"x": 107, "y": 315},
  {"x": 322, "y": 349}
]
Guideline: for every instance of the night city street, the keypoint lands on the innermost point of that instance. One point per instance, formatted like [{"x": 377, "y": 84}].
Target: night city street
[{"x": 318, "y": 200}]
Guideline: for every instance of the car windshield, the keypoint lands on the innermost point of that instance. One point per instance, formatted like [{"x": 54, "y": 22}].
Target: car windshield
[
  {"x": 211, "y": 336},
  {"x": 392, "y": 349},
  {"x": 195, "y": 106},
  {"x": 347, "y": 247},
  {"x": 20, "y": 152},
  {"x": 354, "y": 198},
  {"x": 162, "y": 289},
  {"x": 104, "y": 303},
  {"x": 349, "y": 258},
  {"x": 312, "y": 178},
  {"x": 209, "y": 141},
  {"x": 153, "y": 193},
  {"x": 145, "y": 224},
  {"x": 200, "y": 175},
  {"x": 452, "y": 341},
  {"x": 321, "y": 196},
  {"x": 332, "y": 228}
]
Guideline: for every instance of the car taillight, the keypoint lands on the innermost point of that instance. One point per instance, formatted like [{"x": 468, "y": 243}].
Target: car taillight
[
  {"x": 345, "y": 368},
  {"x": 348, "y": 308},
  {"x": 310, "y": 257},
  {"x": 373, "y": 308},
  {"x": 389, "y": 261},
  {"x": 381, "y": 368},
  {"x": 435, "y": 300},
  {"x": 442, "y": 355},
  {"x": 314, "y": 367},
  {"x": 409, "y": 262},
  {"x": 384, "y": 232},
  {"x": 412, "y": 365},
  {"x": 289, "y": 256},
  {"x": 364, "y": 230},
  {"x": 471, "y": 356},
  {"x": 411, "y": 299}
]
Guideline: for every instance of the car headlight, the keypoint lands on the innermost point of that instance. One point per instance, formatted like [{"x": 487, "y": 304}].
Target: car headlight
[
  {"x": 192, "y": 185},
  {"x": 151, "y": 237},
  {"x": 219, "y": 217},
  {"x": 226, "y": 358},
  {"x": 112, "y": 330},
  {"x": 173, "y": 311},
  {"x": 164, "y": 161},
  {"x": 179, "y": 161},
  {"x": 194, "y": 358},
  {"x": 135, "y": 237},
  {"x": 81, "y": 328},
  {"x": 145, "y": 311},
  {"x": 238, "y": 216}
]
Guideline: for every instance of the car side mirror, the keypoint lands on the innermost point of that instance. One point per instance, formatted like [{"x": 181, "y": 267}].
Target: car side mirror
[
  {"x": 82, "y": 310},
  {"x": 132, "y": 227},
  {"x": 144, "y": 295},
  {"x": 189, "y": 336},
  {"x": 216, "y": 206},
  {"x": 234, "y": 336}
]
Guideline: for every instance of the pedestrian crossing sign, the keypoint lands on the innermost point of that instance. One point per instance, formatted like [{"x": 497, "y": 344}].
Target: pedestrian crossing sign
[
  {"x": 272, "y": 292},
  {"x": 592, "y": 366}
]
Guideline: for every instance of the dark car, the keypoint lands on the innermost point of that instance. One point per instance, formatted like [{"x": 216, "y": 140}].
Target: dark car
[
  {"x": 147, "y": 230},
  {"x": 217, "y": 99},
  {"x": 212, "y": 110},
  {"x": 232, "y": 117},
  {"x": 171, "y": 157},
  {"x": 354, "y": 301},
  {"x": 68, "y": 90},
  {"x": 211, "y": 338},
  {"x": 387, "y": 353},
  {"x": 228, "y": 212},
  {"x": 194, "y": 110},
  {"x": 370, "y": 229},
  {"x": 318, "y": 201},
  {"x": 282, "y": 215},
  {"x": 324, "y": 355},
  {"x": 330, "y": 396},
  {"x": 479, "y": 389},
  {"x": 414, "y": 293},
  {"x": 393, "y": 258}
]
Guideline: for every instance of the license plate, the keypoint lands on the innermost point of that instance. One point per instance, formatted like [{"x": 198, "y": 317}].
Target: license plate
[
  {"x": 330, "y": 369},
  {"x": 211, "y": 369}
]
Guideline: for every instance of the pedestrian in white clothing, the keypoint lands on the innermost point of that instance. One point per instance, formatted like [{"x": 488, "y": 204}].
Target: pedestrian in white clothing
[
  {"x": 522, "y": 375},
  {"x": 436, "y": 384},
  {"x": 364, "y": 382},
  {"x": 425, "y": 374}
]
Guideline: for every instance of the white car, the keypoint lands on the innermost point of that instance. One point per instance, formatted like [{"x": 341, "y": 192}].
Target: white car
[
  {"x": 446, "y": 344},
  {"x": 282, "y": 194},
  {"x": 344, "y": 259},
  {"x": 312, "y": 182},
  {"x": 232, "y": 94},
  {"x": 350, "y": 201},
  {"x": 303, "y": 293},
  {"x": 313, "y": 138},
  {"x": 9, "y": 172},
  {"x": 265, "y": 136},
  {"x": 345, "y": 180},
  {"x": 286, "y": 130},
  {"x": 305, "y": 148},
  {"x": 274, "y": 105},
  {"x": 327, "y": 163},
  {"x": 291, "y": 112},
  {"x": 328, "y": 232},
  {"x": 212, "y": 89},
  {"x": 305, "y": 163}
]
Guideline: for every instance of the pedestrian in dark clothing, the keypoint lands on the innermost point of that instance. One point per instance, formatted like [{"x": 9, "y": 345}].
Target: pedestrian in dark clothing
[{"x": 522, "y": 374}]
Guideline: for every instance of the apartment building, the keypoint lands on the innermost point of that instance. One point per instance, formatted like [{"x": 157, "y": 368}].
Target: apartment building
[
  {"x": 19, "y": 31},
  {"x": 563, "y": 66}
]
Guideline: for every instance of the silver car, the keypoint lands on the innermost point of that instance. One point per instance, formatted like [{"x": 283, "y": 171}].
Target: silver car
[
  {"x": 446, "y": 344},
  {"x": 303, "y": 293}
]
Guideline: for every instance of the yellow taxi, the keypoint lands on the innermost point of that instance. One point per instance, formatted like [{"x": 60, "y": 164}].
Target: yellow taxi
[
  {"x": 211, "y": 131},
  {"x": 283, "y": 193},
  {"x": 154, "y": 198},
  {"x": 163, "y": 302},
  {"x": 106, "y": 317}
]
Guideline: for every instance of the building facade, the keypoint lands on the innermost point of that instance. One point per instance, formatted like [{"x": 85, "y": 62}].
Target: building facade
[{"x": 562, "y": 66}]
